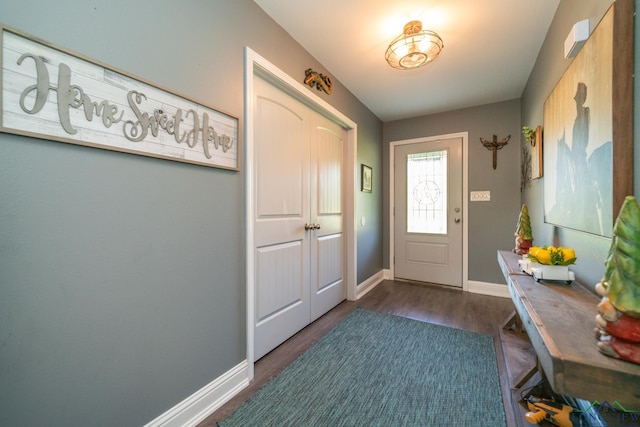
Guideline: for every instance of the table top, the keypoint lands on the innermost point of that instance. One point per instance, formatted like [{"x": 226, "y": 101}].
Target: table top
[{"x": 560, "y": 321}]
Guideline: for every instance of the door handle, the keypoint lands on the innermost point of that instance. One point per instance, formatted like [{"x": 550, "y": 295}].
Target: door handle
[
  {"x": 316, "y": 226},
  {"x": 313, "y": 226},
  {"x": 457, "y": 220}
]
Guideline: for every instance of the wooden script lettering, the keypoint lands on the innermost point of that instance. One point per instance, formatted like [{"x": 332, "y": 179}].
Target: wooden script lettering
[{"x": 50, "y": 94}]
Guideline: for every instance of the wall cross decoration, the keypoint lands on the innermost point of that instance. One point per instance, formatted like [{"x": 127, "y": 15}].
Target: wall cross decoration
[{"x": 494, "y": 146}]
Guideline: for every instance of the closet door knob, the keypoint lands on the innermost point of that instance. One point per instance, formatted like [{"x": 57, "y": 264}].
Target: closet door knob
[
  {"x": 309, "y": 226},
  {"x": 316, "y": 226}
]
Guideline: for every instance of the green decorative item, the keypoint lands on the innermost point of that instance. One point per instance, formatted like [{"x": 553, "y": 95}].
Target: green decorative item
[
  {"x": 524, "y": 235},
  {"x": 528, "y": 133},
  {"x": 618, "y": 319},
  {"x": 622, "y": 274}
]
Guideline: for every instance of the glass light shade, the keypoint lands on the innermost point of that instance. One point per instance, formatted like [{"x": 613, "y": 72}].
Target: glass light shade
[{"x": 414, "y": 48}]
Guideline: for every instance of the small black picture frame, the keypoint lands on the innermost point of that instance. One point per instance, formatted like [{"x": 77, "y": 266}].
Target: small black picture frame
[{"x": 366, "y": 179}]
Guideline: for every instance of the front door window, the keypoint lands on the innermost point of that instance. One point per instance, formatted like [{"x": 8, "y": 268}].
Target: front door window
[{"x": 427, "y": 192}]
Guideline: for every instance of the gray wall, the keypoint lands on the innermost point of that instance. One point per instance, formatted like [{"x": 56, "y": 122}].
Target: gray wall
[
  {"x": 550, "y": 65},
  {"x": 491, "y": 224},
  {"x": 369, "y": 205},
  {"x": 123, "y": 277}
]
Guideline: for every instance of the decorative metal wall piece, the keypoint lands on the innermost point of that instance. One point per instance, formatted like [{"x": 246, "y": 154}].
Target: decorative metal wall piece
[
  {"x": 50, "y": 93},
  {"x": 494, "y": 146},
  {"x": 320, "y": 81}
]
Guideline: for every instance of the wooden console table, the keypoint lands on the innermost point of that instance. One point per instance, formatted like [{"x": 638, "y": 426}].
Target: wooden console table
[{"x": 560, "y": 321}]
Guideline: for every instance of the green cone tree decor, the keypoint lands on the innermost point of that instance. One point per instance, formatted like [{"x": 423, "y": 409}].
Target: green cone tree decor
[
  {"x": 524, "y": 236},
  {"x": 618, "y": 320},
  {"x": 622, "y": 273}
]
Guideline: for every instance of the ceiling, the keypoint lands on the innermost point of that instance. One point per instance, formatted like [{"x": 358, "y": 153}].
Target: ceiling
[{"x": 490, "y": 47}]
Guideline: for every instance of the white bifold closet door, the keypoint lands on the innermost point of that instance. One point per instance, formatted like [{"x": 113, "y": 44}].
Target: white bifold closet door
[{"x": 298, "y": 199}]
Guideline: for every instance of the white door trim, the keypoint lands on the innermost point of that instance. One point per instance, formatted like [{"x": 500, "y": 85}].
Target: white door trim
[
  {"x": 465, "y": 199},
  {"x": 256, "y": 64}
]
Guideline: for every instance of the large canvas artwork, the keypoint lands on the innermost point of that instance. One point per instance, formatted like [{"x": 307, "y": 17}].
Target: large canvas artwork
[{"x": 579, "y": 154}]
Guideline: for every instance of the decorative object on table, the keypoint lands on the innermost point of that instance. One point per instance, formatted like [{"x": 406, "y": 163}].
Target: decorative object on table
[
  {"x": 618, "y": 318},
  {"x": 551, "y": 263},
  {"x": 588, "y": 130},
  {"x": 494, "y": 146},
  {"x": 526, "y": 264},
  {"x": 320, "y": 81},
  {"x": 524, "y": 236}
]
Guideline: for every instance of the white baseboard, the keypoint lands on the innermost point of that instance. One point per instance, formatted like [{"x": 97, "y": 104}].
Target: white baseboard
[
  {"x": 491, "y": 289},
  {"x": 194, "y": 409},
  {"x": 363, "y": 288},
  {"x": 483, "y": 288}
]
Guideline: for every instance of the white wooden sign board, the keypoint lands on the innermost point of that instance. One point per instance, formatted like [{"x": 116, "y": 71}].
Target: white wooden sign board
[{"x": 53, "y": 94}]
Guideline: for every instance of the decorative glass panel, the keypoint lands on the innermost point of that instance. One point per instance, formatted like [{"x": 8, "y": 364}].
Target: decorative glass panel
[{"x": 427, "y": 192}]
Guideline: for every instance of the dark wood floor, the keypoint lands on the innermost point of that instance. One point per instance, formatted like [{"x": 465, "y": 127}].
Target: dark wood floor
[{"x": 429, "y": 303}]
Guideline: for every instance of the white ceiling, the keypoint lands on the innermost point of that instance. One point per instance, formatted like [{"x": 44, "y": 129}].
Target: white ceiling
[{"x": 490, "y": 47}]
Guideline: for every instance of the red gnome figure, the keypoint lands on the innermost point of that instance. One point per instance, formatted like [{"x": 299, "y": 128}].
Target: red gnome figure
[{"x": 618, "y": 319}]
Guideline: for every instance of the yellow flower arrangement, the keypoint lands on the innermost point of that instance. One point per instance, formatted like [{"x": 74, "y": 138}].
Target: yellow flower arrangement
[{"x": 550, "y": 255}]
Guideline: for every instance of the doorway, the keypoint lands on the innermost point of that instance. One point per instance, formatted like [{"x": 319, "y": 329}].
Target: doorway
[
  {"x": 298, "y": 166},
  {"x": 319, "y": 233},
  {"x": 428, "y": 210}
]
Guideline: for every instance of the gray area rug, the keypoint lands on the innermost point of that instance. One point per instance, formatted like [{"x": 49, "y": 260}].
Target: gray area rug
[{"x": 375, "y": 369}]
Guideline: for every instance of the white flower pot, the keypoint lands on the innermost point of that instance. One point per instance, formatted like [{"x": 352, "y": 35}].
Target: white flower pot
[{"x": 553, "y": 272}]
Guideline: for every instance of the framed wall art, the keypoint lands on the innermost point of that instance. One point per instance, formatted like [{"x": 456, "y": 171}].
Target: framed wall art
[
  {"x": 51, "y": 93},
  {"x": 588, "y": 130},
  {"x": 536, "y": 154},
  {"x": 366, "y": 177}
]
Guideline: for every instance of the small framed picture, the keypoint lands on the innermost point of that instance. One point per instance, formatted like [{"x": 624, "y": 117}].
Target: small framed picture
[
  {"x": 366, "y": 179},
  {"x": 536, "y": 154}
]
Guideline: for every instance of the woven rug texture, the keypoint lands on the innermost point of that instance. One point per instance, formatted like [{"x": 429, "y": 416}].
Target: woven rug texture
[{"x": 375, "y": 369}]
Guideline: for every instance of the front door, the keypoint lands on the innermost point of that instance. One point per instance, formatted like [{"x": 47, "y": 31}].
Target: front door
[
  {"x": 428, "y": 211},
  {"x": 298, "y": 164}
]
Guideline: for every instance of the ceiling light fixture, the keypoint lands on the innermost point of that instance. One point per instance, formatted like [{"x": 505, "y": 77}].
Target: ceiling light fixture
[{"x": 414, "y": 48}]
